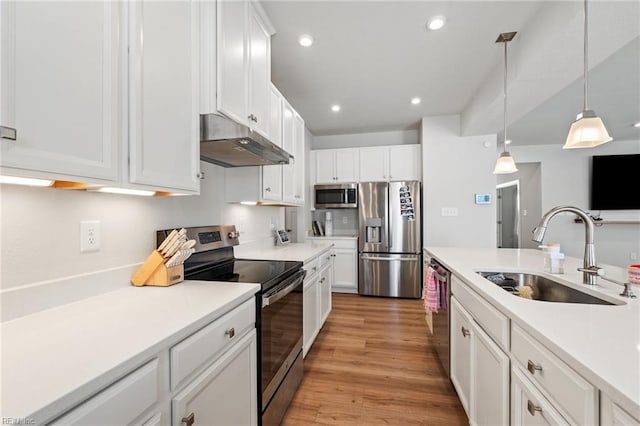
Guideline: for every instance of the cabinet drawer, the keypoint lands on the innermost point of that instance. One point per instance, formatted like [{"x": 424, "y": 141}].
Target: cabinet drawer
[
  {"x": 121, "y": 403},
  {"x": 492, "y": 321},
  {"x": 200, "y": 347},
  {"x": 312, "y": 266},
  {"x": 575, "y": 397},
  {"x": 325, "y": 258},
  {"x": 529, "y": 406},
  {"x": 345, "y": 243}
]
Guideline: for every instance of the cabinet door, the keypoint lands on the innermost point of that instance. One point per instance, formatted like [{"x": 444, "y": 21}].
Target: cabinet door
[
  {"x": 226, "y": 392},
  {"x": 460, "y": 346},
  {"x": 490, "y": 384},
  {"x": 61, "y": 89},
  {"x": 259, "y": 74},
  {"x": 345, "y": 275},
  {"x": 326, "y": 279},
  {"x": 346, "y": 165},
  {"x": 164, "y": 146},
  {"x": 275, "y": 115},
  {"x": 298, "y": 134},
  {"x": 404, "y": 162},
  {"x": 232, "y": 99},
  {"x": 325, "y": 166},
  {"x": 374, "y": 164},
  {"x": 310, "y": 306},
  {"x": 288, "y": 144},
  {"x": 529, "y": 406}
]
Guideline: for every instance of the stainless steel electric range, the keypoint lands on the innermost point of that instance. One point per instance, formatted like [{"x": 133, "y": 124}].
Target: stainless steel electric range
[{"x": 278, "y": 310}]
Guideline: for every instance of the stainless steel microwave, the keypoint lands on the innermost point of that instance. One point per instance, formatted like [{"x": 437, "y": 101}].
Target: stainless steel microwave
[{"x": 336, "y": 196}]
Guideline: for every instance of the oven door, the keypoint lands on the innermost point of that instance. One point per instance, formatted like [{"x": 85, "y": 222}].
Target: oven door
[{"x": 281, "y": 332}]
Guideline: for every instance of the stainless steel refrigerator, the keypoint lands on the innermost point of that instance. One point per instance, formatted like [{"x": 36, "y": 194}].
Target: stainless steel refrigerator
[{"x": 390, "y": 239}]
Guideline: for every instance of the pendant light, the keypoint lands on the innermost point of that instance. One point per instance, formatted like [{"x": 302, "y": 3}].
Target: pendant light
[
  {"x": 588, "y": 130},
  {"x": 505, "y": 163}
]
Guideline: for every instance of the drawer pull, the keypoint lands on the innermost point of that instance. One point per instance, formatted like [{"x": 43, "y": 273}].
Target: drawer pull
[
  {"x": 532, "y": 367},
  {"x": 315, "y": 268},
  {"x": 8, "y": 133},
  {"x": 230, "y": 332},
  {"x": 189, "y": 420},
  {"x": 532, "y": 408},
  {"x": 465, "y": 332}
]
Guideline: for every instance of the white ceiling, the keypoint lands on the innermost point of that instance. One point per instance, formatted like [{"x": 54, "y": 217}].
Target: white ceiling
[{"x": 372, "y": 57}]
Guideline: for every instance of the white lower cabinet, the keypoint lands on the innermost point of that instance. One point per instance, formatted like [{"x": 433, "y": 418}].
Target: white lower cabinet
[
  {"x": 528, "y": 405},
  {"x": 479, "y": 369},
  {"x": 120, "y": 403},
  {"x": 225, "y": 393},
  {"x": 345, "y": 263},
  {"x": 316, "y": 297},
  {"x": 611, "y": 414}
]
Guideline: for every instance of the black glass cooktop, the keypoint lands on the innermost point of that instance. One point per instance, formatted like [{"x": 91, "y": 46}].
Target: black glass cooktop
[{"x": 264, "y": 272}]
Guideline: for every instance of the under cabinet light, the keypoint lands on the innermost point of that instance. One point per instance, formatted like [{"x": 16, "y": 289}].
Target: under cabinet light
[
  {"x": 125, "y": 191},
  {"x": 14, "y": 180},
  {"x": 249, "y": 203}
]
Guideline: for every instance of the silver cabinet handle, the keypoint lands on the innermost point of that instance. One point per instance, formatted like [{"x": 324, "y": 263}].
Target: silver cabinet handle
[
  {"x": 315, "y": 268},
  {"x": 532, "y": 408},
  {"x": 532, "y": 367},
  {"x": 230, "y": 332},
  {"x": 8, "y": 133},
  {"x": 268, "y": 189},
  {"x": 465, "y": 332},
  {"x": 189, "y": 420}
]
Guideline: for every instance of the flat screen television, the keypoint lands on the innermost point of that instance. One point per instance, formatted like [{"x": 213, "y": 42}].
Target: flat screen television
[{"x": 614, "y": 182}]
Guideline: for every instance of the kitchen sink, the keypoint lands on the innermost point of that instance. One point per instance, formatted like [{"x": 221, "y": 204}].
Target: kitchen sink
[{"x": 540, "y": 288}]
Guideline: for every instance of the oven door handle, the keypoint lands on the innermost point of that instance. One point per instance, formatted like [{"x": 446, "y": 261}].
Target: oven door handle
[{"x": 274, "y": 297}]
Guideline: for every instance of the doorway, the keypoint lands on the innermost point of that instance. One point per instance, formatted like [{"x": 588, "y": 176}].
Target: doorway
[{"x": 508, "y": 217}]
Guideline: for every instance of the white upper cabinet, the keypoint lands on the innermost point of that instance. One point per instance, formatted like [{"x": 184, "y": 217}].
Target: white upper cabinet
[
  {"x": 299, "y": 153},
  {"x": 390, "y": 163},
  {"x": 275, "y": 115},
  {"x": 336, "y": 165},
  {"x": 288, "y": 144},
  {"x": 61, "y": 90},
  {"x": 163, "y": 115},
  {"x": 272, "y": 175},
  {"x": 94, "y": 101},
  {"x": 243, "y": 64}
]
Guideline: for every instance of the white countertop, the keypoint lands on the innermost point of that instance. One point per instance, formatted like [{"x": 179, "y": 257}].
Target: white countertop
[
  {"x": 600, "y": 342},
  {"x": 334, "y": 237},
  {"x": 56, "y": 358},
  {"x": 298, "y": 252}
]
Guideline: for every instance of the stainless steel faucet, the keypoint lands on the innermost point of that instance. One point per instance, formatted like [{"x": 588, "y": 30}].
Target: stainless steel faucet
[{"x": 590, "y": 271}]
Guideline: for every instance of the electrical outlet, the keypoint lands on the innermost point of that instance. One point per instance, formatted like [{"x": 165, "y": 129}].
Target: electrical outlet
[
  {"x": 633, "y": 255},
  {"x": 449, "y": 211},
  {"x": 89, "y": 236}
]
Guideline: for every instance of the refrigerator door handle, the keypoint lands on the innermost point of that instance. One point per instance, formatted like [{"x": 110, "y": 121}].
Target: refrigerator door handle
[
  {"x": 402, "y": 258},
  {"x": 387, "y": 212}
]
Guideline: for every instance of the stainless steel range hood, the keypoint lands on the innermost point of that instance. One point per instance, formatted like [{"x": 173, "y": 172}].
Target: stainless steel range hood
[{"x": 229, "y": 144}]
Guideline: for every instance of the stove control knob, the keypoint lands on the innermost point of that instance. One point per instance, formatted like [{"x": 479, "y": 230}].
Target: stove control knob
[{"x": 233, "y": 234}]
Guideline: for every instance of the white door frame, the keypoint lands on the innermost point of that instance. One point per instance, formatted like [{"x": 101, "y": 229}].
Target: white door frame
[{"x": 515, "y": 183}]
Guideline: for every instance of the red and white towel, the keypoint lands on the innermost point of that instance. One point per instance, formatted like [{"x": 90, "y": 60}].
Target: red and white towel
[{"x": 431, "y": 291}]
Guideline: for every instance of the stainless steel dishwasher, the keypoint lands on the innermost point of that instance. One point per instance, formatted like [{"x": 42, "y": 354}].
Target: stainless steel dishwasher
[{"x": 442, "y": 318}]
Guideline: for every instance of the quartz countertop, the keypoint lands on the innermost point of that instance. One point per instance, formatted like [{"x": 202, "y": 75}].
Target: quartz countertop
[
  {"x": 56, "y": 358},
  {"x": 335, "y": 237},
  {"x": 600, "y": 342},
  {"x": 298, "y": 252}
]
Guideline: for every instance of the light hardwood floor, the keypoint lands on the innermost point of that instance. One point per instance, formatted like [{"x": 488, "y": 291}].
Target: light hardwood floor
[{"x": 373, "y": 364}]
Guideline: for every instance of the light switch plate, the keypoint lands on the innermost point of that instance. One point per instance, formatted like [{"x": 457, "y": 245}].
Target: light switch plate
[{"x": 449, "y": 211}]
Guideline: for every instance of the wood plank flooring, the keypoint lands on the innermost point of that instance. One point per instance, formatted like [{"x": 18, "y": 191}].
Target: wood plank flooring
[{"x": 373, "y": 364}]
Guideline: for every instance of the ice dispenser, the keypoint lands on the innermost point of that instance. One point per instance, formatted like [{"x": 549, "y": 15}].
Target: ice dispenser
[{"x": 374, "y": 230}]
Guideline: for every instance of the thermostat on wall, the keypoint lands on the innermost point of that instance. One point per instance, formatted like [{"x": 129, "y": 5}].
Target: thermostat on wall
[{"x": 483, "y": 198}]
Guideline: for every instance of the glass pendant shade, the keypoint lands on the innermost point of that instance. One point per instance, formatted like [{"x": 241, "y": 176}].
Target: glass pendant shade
[
  {"x": 586, "y": 132},
  {"x": 505, "y": 164}
]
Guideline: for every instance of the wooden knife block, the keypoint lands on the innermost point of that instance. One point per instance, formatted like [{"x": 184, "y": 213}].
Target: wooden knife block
[{"x": 154, "y": 272}]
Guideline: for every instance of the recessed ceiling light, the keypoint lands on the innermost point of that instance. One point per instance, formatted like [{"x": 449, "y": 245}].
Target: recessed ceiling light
[
  {"x": 637, "y": 124},
  {"x": 305, "y": 40},
  {"x": 436, "y": 22},
  {"x": 335, "y": 108},
  {"x": 415, "y": 101}
]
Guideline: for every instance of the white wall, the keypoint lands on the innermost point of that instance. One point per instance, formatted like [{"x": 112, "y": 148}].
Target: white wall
[
  {"x": 40, "y": 227},
  {"x": 454, "y": 169},
  {"x": 397, "y": 137},
  {"x": 565, "y": 181}
]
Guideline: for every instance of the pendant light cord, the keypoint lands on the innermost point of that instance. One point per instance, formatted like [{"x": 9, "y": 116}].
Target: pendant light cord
[
  {"x": 505, "y": 97},
  {"x": 586, "y": 57}
]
